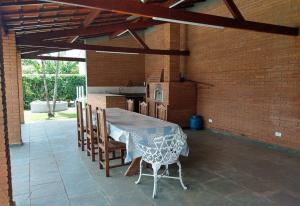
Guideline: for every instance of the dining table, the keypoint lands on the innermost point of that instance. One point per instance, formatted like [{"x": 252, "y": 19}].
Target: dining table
[{"x": 133, "y": 128}]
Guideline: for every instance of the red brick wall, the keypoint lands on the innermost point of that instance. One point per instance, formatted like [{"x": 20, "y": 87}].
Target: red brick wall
[
  {"x": 249, "y": 82},
  {"x": 13, "y": 88},
  {"x": 104, "y": 69},
  {"x": 166, "y": 36},
  {"x": 5, "y": 176}
]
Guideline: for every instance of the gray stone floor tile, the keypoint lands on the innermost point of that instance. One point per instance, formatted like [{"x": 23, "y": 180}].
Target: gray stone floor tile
[
  {"x": 47, "y": 189},
  {"x": 283, "y": 198},
  {"x": 56, "y": 200},
  {"x": 20, "y": 187},
  {"x": 96, "y": 198},
  {"x": 22, "y": 200},
  {"x": 223, "y": 186},
  {"x": 247, "y": 198},
  {"x": 44, "y": 178},
  {"x": 82, "y": 186}
]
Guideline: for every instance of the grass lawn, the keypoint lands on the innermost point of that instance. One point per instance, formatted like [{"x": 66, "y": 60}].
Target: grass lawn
[{"x": 32, "y": 117}]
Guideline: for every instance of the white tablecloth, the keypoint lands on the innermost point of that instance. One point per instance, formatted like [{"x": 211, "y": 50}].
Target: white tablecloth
[{"x": 131, "y": 128}]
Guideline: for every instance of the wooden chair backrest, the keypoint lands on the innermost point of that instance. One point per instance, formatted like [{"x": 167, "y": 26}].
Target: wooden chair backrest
[
  {"x": 130, "y": 105},
  {"x": 101, "y": 127},
  {"x": 89, "y": 119},
  {"x": 79, "y": 114},
  {"x": 161, "y": 112},
  {"x": 143, "y": 108}
]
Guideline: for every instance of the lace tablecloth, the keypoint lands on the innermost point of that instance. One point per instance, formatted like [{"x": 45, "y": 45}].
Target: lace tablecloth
[{"x": 132, "y": 128}]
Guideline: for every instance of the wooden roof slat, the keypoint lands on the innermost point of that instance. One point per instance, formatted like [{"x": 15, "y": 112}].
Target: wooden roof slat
[{"x": 37, "y": 18}]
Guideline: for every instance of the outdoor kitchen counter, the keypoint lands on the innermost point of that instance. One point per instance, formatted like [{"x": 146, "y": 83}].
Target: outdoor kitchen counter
[{"x": 107, "y": 100}]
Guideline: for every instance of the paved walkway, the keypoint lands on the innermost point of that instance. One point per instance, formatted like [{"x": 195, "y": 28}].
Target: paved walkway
[{"x": 50, "y": 170}]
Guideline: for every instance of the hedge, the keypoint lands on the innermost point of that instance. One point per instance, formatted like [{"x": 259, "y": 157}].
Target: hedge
[{"x": 33, "y": 87}]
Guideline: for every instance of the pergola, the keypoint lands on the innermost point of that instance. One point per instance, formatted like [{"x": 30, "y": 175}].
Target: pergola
[
  {"x": 46, "y": 26},
  {"x": 56, "y": 25}
]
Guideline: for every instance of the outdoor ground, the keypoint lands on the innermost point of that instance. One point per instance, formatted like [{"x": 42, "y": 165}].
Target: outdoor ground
[
  {"x": 33, "y": 117},
  {"x": 50, "y": 170}
]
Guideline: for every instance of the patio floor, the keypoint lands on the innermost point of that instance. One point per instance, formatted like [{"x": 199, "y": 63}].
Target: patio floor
[{"x": 50, "y": 170}]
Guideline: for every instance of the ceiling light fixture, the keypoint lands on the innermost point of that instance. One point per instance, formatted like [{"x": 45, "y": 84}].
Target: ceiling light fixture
[
  {"x": 176, "y": 3},
  {"x": 123, "y": 32},
  {"x": 186, "y": 22},
  {"x": 115, "y": 52}
]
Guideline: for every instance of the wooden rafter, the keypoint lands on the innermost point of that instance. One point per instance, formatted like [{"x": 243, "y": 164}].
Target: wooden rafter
[
  {"x": 88, "y": 31},
  {"x": 87, "y": 22},
  {"x": 50, "y": 17},
  {"x": 108, "y": 49},
  {"x": 22, "y": 3},
  {"x": 138, "y": 39},
  {"x": 171, "y": 15},
  {"x": 91, "y": 17},
  {"x": 234, "y": 9},
  {"x": 73, "y": 59}
]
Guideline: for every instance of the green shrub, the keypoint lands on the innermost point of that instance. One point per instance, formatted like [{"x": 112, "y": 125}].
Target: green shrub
[{"x": 33, "y": 87}]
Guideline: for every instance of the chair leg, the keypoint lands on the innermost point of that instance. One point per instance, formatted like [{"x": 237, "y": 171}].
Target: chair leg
[
  {"x": 82, "y": 140},
  {"x": 107, "y": 163},
  {"x": 180, "y": 175},
  {"x": 100, "y": 158},
  {"x": 88, "y": 146},
  {"x": 141, "y": 170},
  {"x": 93, "y": 149},
  {"x": 155, "y": 170},
  {"x": 78, "y": 138},
  {"x": 167, "y": 170},
  {"x": 122, "y": 157}
]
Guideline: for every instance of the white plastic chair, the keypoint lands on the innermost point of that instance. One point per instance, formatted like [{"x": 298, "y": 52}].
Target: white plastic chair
[{"x": 165, "y": 150}]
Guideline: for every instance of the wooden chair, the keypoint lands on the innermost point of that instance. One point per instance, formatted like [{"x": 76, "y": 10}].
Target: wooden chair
[
  {"x": 91, "y": 135},
  {"x": 80, "y": 126},
  {"x": 107, "y": 146},
  {"x": 130, "y": 105},
  {"x": 143, "y": 108},
  {"x": 161, "y": 112}
]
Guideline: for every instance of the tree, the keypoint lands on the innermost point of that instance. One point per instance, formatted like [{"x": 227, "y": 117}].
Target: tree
[
  {"x": 45, "y": 67},
  {"x": 55, "y": 85},
  {"x": 46, "y": 88},
  {"x": 29, "y": 67}
]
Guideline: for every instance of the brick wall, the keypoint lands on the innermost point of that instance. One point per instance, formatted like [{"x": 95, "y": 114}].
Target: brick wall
[
  {"x": 13, "y": 88},
  {"x": 249, "y": 82},
  {"x": 105, "y": 69},
  {"x": 5, "y": 176},
  {"x": 165, "y": 36}
]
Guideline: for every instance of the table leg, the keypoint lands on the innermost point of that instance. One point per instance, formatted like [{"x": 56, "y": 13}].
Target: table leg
[{"x": 133, "y": 167}]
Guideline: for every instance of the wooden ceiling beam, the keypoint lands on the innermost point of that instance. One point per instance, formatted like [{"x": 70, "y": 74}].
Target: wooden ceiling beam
[
  {"x": 173, "y": 15},
  {"x": 234, "y": 9},
  {"x": 50, "y": 17},
  {"x": 38, "y": 51},
  {"x": 41, "y": 11},
  {"x": 87, "y": 22},
  {"x": 90, "y": 18},
  {"x": 22, "y": 3},
  {"x": 73, "y": 59},
  {"x": 41, "y": 27},
  {"x": 139, "y": 40},
  {"x": 88, "y": 31},
  {"x": 30, "y": 24},
  {"x": 105, "y": 49}
]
